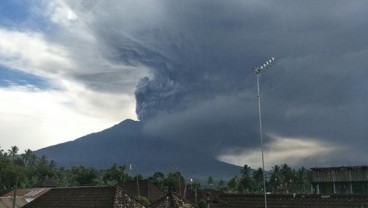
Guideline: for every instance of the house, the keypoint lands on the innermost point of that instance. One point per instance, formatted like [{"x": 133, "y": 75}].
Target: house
[
  {"x": 340, "y": 180},
  {"x": 206, "y": 195},
  {"x": 172, "y": 200},
  {"x": 291, "y": 201},
  {"x": 143, "y": 188},
  {"x": 85, "y": 197},
  {"x": 23, "y": 197}
]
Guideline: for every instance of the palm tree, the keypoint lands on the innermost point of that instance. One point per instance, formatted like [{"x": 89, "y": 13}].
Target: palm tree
[
  {"x": 287, "y": 177},
  {"x": 258, "y": 180},
  {"x": 245, "y": 171},
  {"x": 13, "y": 152},
  {"x": 276, "y": 179},
  {"x": 27, "y": 157},
  {"x": 302, "y": 179},
  {"x": 246, "y": 182}
]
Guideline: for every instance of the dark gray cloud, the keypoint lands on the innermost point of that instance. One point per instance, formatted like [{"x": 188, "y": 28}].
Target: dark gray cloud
[{"x": 200, "y": 55}]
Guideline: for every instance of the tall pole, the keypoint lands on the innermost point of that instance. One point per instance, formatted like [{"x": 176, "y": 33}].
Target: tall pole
[
  {"x": 261, "y": 135},
  {"x": 15, "y": 192},
  {"x": 258, "y": 71}
]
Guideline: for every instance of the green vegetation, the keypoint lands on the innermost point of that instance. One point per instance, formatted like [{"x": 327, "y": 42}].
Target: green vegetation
[
  {"x": 282, "y": 179},
  {"x": 29, "y": 170}
]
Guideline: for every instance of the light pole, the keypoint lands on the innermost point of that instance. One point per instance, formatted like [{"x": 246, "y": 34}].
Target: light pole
[
  {"x": 258, "y": 71},
  {"x": 195, "y": 191}
]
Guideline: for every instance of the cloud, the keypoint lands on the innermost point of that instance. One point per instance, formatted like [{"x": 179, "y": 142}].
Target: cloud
[
  {"x": 201, "y": 63},
  {"x": 60, "y": 13},
  {"x": 212, "y": 125},
  {"x": 85, "y": 92},
  {"x": 33, "y": 118},
  {"x": 29, "y": 52},
  {"x": 291, "y": 151},
  {"x": 195, "y": 59}
]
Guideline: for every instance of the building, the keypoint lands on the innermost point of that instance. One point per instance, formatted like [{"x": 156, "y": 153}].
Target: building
[
  {"x": 340, "y": 180},
  {"x": 85, "y": 197},
  {"x": 206, "y": 195},
  {"x": 143, "y": 188},
  {"x": 291, "y": 201},
  {"x": 23, "y": 197},
  {"x": 172, "y": 200}
]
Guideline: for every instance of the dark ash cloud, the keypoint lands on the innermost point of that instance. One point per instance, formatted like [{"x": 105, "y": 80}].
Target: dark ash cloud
[{"x": 200, "y": 54}]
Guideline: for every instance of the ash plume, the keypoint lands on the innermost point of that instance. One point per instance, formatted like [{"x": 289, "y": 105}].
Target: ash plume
[{"x": 200, "y": 55}]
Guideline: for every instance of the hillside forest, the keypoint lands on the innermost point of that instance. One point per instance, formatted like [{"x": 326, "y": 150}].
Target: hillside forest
[{"x": 26, "y": 170}]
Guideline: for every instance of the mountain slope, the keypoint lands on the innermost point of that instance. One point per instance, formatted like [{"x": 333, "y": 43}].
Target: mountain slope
[{"x": 125, "y": 143}]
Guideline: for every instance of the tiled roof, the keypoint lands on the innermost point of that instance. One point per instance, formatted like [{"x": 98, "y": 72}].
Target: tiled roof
[
  {"x": 146, "y": 189},
  {"x": 291, "y": 201},
  {"x": 47, "y": 182},
  {"x": 204, "y": 194},
  {"x": 83, "y": 197},
  {"x": 172, "y": 200},
  {"x": 123, "y": 200}
]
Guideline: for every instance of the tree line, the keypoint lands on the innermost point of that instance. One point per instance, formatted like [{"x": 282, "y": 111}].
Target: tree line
[
  {"x": 281, "y": 179},
  {"x": 28, "y": 170}
]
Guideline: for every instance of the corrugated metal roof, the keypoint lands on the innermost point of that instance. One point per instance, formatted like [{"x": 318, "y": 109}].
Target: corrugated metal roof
[
  {"x": 7, "y": 202},
  {"x": 24, "y": 196},
  {"x": 28, "y": 193},
  {"x": 340, "y": 174}
]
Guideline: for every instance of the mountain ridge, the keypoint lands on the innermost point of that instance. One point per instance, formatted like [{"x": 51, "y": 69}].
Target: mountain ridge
[{"x": 126, "y": 143}]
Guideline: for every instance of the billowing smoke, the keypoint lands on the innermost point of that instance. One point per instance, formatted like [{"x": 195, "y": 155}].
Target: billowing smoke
[
  {"x": 200, "y": 54},
  {"x": 155, "y": 96}
]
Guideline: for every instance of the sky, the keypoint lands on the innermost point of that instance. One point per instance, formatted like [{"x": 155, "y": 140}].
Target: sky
[{"x": 184, "y": 69}]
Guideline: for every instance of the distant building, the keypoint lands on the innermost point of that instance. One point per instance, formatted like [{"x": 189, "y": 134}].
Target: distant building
[
  {"x": 340, "y": 180},
  {"x": 291, "y": 201}
]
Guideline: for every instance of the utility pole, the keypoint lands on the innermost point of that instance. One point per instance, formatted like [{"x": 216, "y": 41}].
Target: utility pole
[
  {"x": 15, "y": 192},
  {"x": 258, "y": 72}
]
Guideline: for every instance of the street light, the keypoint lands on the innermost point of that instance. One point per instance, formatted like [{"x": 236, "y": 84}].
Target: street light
[{"x": 258, "y": 71}]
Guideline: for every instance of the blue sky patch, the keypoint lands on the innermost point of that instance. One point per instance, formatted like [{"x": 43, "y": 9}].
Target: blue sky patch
[
  {"x": 14, "y": 11},
  {"x": 19, "y": 14},
  {"x": 9, "y": 77}
]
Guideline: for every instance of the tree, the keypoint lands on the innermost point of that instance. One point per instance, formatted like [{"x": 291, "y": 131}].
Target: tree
[
  {"x": 245, "y": 171},
  {"x": 221, "y": 185},
  {"x": 28, "y": 157},
  {"x": 275, "y": 180},
  {"x": 247, "y": 183},
  {"x": 287, "y": 177},
  {"x": 158, "y": 176},
  {"x": 233, "y": 184},
  {"x": 174, "y": 181},
  {"x": 115, "y": 173},
  {"x": 13, "y": 152},
  {"x": 282, "y": 179},
  {"x": 157, "y": 179},
  {"x": 258, "y": 180},
  {"x": 202, "y": 204},
  {"x": 303, "y": 178},
  {"x": 84, "y": 176},
  {"x": 44, "y": 168}
]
